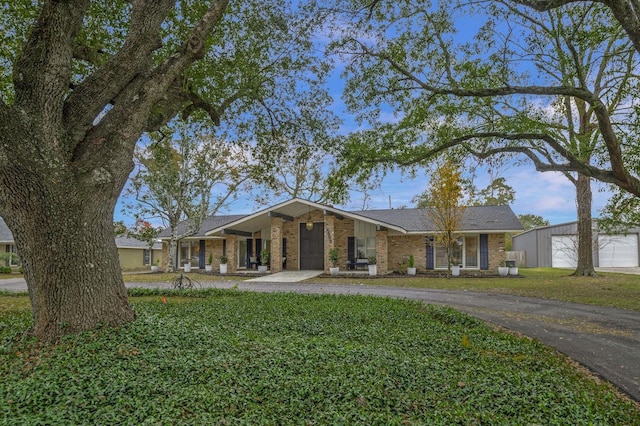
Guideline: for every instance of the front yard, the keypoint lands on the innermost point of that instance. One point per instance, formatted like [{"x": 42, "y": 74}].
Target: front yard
[{"x": 231, "y": 357}]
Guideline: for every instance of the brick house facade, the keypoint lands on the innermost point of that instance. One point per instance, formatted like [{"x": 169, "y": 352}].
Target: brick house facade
[{"x": 298, "y": 234}]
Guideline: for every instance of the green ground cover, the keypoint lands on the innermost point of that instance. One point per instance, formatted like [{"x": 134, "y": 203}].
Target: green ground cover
[{"x": 230, "y": 357}]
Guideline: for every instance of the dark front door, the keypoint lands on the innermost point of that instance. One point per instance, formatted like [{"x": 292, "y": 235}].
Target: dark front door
[{"x": 312, "y": 247}]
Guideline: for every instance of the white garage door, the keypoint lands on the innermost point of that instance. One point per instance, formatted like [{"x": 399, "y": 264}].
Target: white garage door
[
  {"x": 564, "y": 249},
  {"x": 618, "y": 250}
]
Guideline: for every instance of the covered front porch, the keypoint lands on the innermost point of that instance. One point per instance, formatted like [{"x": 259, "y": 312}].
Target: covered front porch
[
  {"x": 293, "y": 236},
  {"x": 298, "y": 235}
]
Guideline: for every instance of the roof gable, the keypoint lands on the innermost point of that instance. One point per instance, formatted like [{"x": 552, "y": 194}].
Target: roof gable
[{"x": 5, "y": 234}]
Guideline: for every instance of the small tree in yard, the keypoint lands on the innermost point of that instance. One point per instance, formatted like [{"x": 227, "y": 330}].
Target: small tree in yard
[
  {"x": 183, "y": 180},
  {"x": 446, "y": 208}
]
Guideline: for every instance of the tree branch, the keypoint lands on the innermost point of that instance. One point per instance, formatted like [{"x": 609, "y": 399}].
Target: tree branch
[
  {"x": 627, "y": 12},
  {"x": 87, "y": 54},
  {"x": 134, "y": 58},
  {"x": 622, "y": 176},
  {"x": 144, "y": 100},
  {"x": 42, "y": 72}
]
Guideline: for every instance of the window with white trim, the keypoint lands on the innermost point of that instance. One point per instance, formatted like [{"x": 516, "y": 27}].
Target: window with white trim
[
  {"x": 365, "y": 247},
  {"x": 465, "y": 252},
  {"x": 189, "y": 253},
  {"x": 14, "y": 260}
]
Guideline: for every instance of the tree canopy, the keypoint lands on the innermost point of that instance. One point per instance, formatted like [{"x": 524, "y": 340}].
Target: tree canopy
[{"x": 492, "y": 92}]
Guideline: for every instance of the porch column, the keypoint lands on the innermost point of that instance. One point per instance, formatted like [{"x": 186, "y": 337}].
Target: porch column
[
  {"x": 276, "y": 244},
  {"x": 232, "y": 253},
  {"x": 329, "y": 239},
  {"x": 382, "y": 258}
]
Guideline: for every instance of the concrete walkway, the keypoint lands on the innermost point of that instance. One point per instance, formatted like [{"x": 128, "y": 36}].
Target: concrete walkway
[{"x": 605, "y": 340}]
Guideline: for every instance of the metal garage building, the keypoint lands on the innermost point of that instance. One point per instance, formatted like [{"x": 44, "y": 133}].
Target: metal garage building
[{"x": 556, "y": 246}]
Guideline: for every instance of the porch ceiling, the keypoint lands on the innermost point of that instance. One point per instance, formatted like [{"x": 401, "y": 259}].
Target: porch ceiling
[{"x": 261, "y": 220}]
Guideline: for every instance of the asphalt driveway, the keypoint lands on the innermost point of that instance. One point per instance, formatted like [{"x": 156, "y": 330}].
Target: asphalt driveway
[{"x": 605, "y": 340}]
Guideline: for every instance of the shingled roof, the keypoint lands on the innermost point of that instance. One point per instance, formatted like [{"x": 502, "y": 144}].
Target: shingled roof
[
  {"x": 5, "y": 235},
  {"x": 475, "y": 218},
  {"x": 208, "y": 223}
]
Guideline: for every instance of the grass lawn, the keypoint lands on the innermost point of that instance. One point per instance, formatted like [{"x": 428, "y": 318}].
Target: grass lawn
[
  {"x": 230, "y": 357},
  {"x": 607, "y": 289}
]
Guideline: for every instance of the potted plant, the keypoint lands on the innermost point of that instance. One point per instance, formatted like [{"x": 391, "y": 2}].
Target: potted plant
[
  {"x": 502, "y": 269},
  {"x": 156, "y": 266},
  {"x": 411, "y": 265},
  {"x": 455, "y": 270},
  {"x": 513, "y": 269},
  {"x": 223, "y": 264},
  {"x": 373, "y": 268},
  {"x": 209, "y": 266},
  {"x": 264, "y": 261},
  {"x": 333, "y": 258}
]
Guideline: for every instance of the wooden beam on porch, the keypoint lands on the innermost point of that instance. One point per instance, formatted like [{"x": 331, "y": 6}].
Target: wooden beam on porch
[
  {"x": 337, "y": 216},
  {"x": 280, "y": 215},
  {"x": 235, "y": 232}
]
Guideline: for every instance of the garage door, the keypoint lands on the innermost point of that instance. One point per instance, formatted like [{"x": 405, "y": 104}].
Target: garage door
[
  {"x": 618, "y": 250},
  {"x": 564, "y": 250}
]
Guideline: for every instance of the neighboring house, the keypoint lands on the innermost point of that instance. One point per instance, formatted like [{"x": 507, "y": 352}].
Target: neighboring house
[
  {"x": 134, "y": 254},
  {"x": 556, "y": 246},
  {"x": 299, "y": 234}
]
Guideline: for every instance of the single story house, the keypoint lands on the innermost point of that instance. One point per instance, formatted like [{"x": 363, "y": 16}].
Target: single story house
[
  {"x": 133, "y": 254},
  {"x": 298, "y": 235},
  {"x": 556, "y": 246}
]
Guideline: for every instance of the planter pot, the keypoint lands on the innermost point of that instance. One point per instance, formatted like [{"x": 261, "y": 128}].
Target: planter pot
[
  {"x": 155, "y": 268},
  {"x": 262, "y": 269},
  {"x": 223, "y": 268},
  {"x": 187, "y": 267},
  {"x": 513, "y": 270},
  {"x": 455, "y": 270},
  {"x": 334, "y": 271},
  {"x": 208, "y": 268},
  {"x": 411, "y": 271},
  {"x": 503, "y": 271},
  {"x": 373, "y": 270}
]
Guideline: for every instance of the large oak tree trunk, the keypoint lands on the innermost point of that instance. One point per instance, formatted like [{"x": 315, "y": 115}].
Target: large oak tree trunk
[
  {"x": 585, "y": 233},
  {"x": 66, "y": 243}
]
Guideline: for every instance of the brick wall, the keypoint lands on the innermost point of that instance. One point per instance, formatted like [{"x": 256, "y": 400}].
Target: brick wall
[
  {"x": 496, "y": 250},
  {"x": 215, "y": 247},
  {"x": 400, "y": 247},
  {"x": 275, "y": 255},
  {"x": 382, "y": 252}
]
